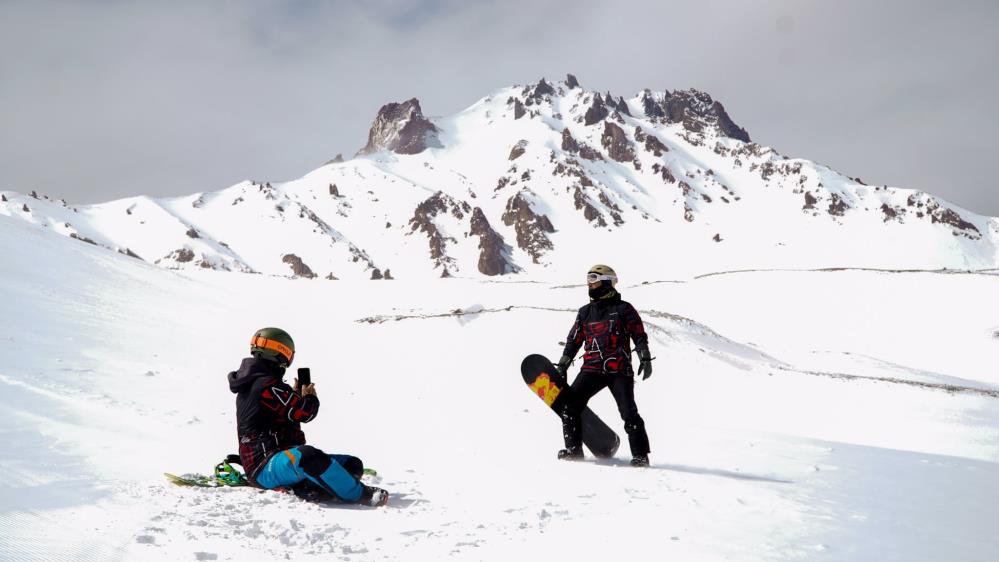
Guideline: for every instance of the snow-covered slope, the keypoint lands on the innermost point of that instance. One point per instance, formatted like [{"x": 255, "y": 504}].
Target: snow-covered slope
[
  {"x": 821, "y": 416},
  {"x": 541, "y": 181}
]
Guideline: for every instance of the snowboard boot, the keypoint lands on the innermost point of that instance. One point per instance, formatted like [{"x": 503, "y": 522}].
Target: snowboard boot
[
  {"x": 640, "y": 461},
  {"x": 571, "y": 454},
  {"x": 373, "y": 497}
]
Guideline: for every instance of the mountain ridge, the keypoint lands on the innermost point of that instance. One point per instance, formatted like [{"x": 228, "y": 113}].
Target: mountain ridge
[{"x": 538, "y": 180}]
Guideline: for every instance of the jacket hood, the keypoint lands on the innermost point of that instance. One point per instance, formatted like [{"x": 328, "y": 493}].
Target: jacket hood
[{"x": 251, "y": 369}]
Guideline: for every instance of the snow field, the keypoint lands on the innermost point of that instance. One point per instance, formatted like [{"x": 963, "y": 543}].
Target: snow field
[{"x": 113, "y": 372}]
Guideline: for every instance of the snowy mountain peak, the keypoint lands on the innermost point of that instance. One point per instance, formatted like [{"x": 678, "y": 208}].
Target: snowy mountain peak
[
  {"x": 540, "y": 180},
  {"x": 400, "y": 128}
]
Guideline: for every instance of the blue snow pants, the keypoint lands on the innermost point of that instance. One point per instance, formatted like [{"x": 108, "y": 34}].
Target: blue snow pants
[{"x": 305, "y": 462}]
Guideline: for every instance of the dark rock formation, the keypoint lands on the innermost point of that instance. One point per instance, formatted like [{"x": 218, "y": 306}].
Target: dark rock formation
[
  {"x": 400, "y": 128},
  {"x": 25, "y": 208},
  {"x": 493, "y": 251},
  {"x": 615, "y": 211},
  {"x": 3, "y": 198},
  {"x": 183, "y": 255},
  {"x": 597, "y": 112},
  {"x": 655, "y": 146},
  {"x": 518, "y": 149},
  {"x": 622, "y": 107},
  {"x": 338, "y": 159},
  {"x": 892, "y": 213},
  {"x": 531, "y": 227},
  {"x": 837, "y": 206},
  {"x": 810, "y": 201},
  {"x": 82, "y": 238},
  {"x": 129, "y": 253},
  {"x": 616, "y": 142},
  {"x": 298, "y": 267},
  {"x": 943, "y": 215},
  {"x": 376, "y": 274},
  {"x": 542, "y": 89},
  {"x": 518, "y": 109},
  {"x": 590, "y": 212},
  {"x": 695, "y": 110},
  {"x": 725, "y": 124},
  {"x": 571, "y": 81},
  {"x": 569, "y": 144},
  {"x": 588, "y": 152},
  {"x": 423, "y": 220},
  {"x": 334, "y": 191},
  {"x": 192, "y": 233},
  {"x": 653, "y": 109},
  {"x": 388, "y": 275}
]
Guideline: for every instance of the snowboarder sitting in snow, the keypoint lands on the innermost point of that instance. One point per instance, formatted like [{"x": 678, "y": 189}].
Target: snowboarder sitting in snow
[
  {"x": 605, "y": 326},
  {"x": 272, "y": 445}
]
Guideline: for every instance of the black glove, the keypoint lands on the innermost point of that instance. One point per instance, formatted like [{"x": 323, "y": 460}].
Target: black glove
[
  {"x": 563, "y": 365},
  {"x": 645, "y": 365}
]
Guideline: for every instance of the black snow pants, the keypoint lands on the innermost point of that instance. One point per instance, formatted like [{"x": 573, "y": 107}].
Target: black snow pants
[{"x": 586, "y": 385}]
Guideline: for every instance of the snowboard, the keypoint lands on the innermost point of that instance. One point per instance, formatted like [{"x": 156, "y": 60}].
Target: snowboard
[{"x": 544, "y": 380}]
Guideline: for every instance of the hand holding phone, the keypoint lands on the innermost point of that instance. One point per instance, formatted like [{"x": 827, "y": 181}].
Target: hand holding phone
[{"x": 304, "y": 376}]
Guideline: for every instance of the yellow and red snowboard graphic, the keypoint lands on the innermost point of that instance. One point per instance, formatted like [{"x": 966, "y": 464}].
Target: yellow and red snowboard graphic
[{"x": 550, "y": 386}]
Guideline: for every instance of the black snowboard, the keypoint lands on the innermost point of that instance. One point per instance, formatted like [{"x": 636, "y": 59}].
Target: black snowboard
[{"x": 543, "y": 379}]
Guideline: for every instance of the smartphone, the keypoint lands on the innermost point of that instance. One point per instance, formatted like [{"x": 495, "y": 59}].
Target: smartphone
[{"x": 304, "y": 376}]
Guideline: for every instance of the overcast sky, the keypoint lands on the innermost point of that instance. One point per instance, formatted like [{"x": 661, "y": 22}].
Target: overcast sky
[{"x": 104, "y": 99}]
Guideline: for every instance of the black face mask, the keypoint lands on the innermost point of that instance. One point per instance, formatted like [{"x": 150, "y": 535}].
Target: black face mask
[{"x": 601, "y": 291}]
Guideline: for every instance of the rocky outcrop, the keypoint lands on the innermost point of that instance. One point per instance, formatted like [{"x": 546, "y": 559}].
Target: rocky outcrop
[
  {"x": 837, "y": 206},
  {"x": 82, "y": 238},
  {"x": 192, "y": 233},
  {"x": 616, "y": 143},
  {"x": 572, "y": 146},
  {"x": 542, "y": 89},
  {"x": 810, "y": 201},
  {"x": 129, "y": 253},
  {"x": 298, "y": 267},
  {"x": 569, "y": 143},
  {"x": 927, "y": 205},
  {"x": 518, "y": 109},
  {"x": 582, "y": 203},
  {"x": 183, "y": 255},
  {"x": 571, "y": 81},
  {"x": 400, "y": 128},
  {"x": 531, "y": 227},
  {"x": 493, "y": 251},
  {"x": 654, "y": 145},
  {"x": 518, "y": 149},
  {"x": 622, "y": 107},
  {"x": 423, "y": 220},
  {"x": 597, "y": 112},
  {"x": 694, "y": 109}
]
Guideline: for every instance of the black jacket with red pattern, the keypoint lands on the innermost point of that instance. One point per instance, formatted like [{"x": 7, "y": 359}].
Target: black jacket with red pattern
[
  {"x": 269, "y": 413},
  {"x": 605, "y": 327}
]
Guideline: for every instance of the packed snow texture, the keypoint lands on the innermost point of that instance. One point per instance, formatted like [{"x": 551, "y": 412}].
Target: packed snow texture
[{"x": 833, "y": 415}]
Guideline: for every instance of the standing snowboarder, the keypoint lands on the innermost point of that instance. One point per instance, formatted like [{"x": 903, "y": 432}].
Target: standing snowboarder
[
  {"x": 605, "y": 326},
  {"x": 272, "y": 445}
]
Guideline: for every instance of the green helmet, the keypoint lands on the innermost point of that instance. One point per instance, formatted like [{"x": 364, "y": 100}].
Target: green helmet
[
  {"x": 274, "y": 344},
  {"x": 601, "y": 272}
]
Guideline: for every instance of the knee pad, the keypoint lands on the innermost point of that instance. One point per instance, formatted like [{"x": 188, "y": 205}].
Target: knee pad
[{"x": 314, "y": 462}]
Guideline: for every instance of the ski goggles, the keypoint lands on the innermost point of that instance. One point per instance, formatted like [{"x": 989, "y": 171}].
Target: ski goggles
[
  {"x": 595, "y": 277},
  {"x": 257, "y": 341}
]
